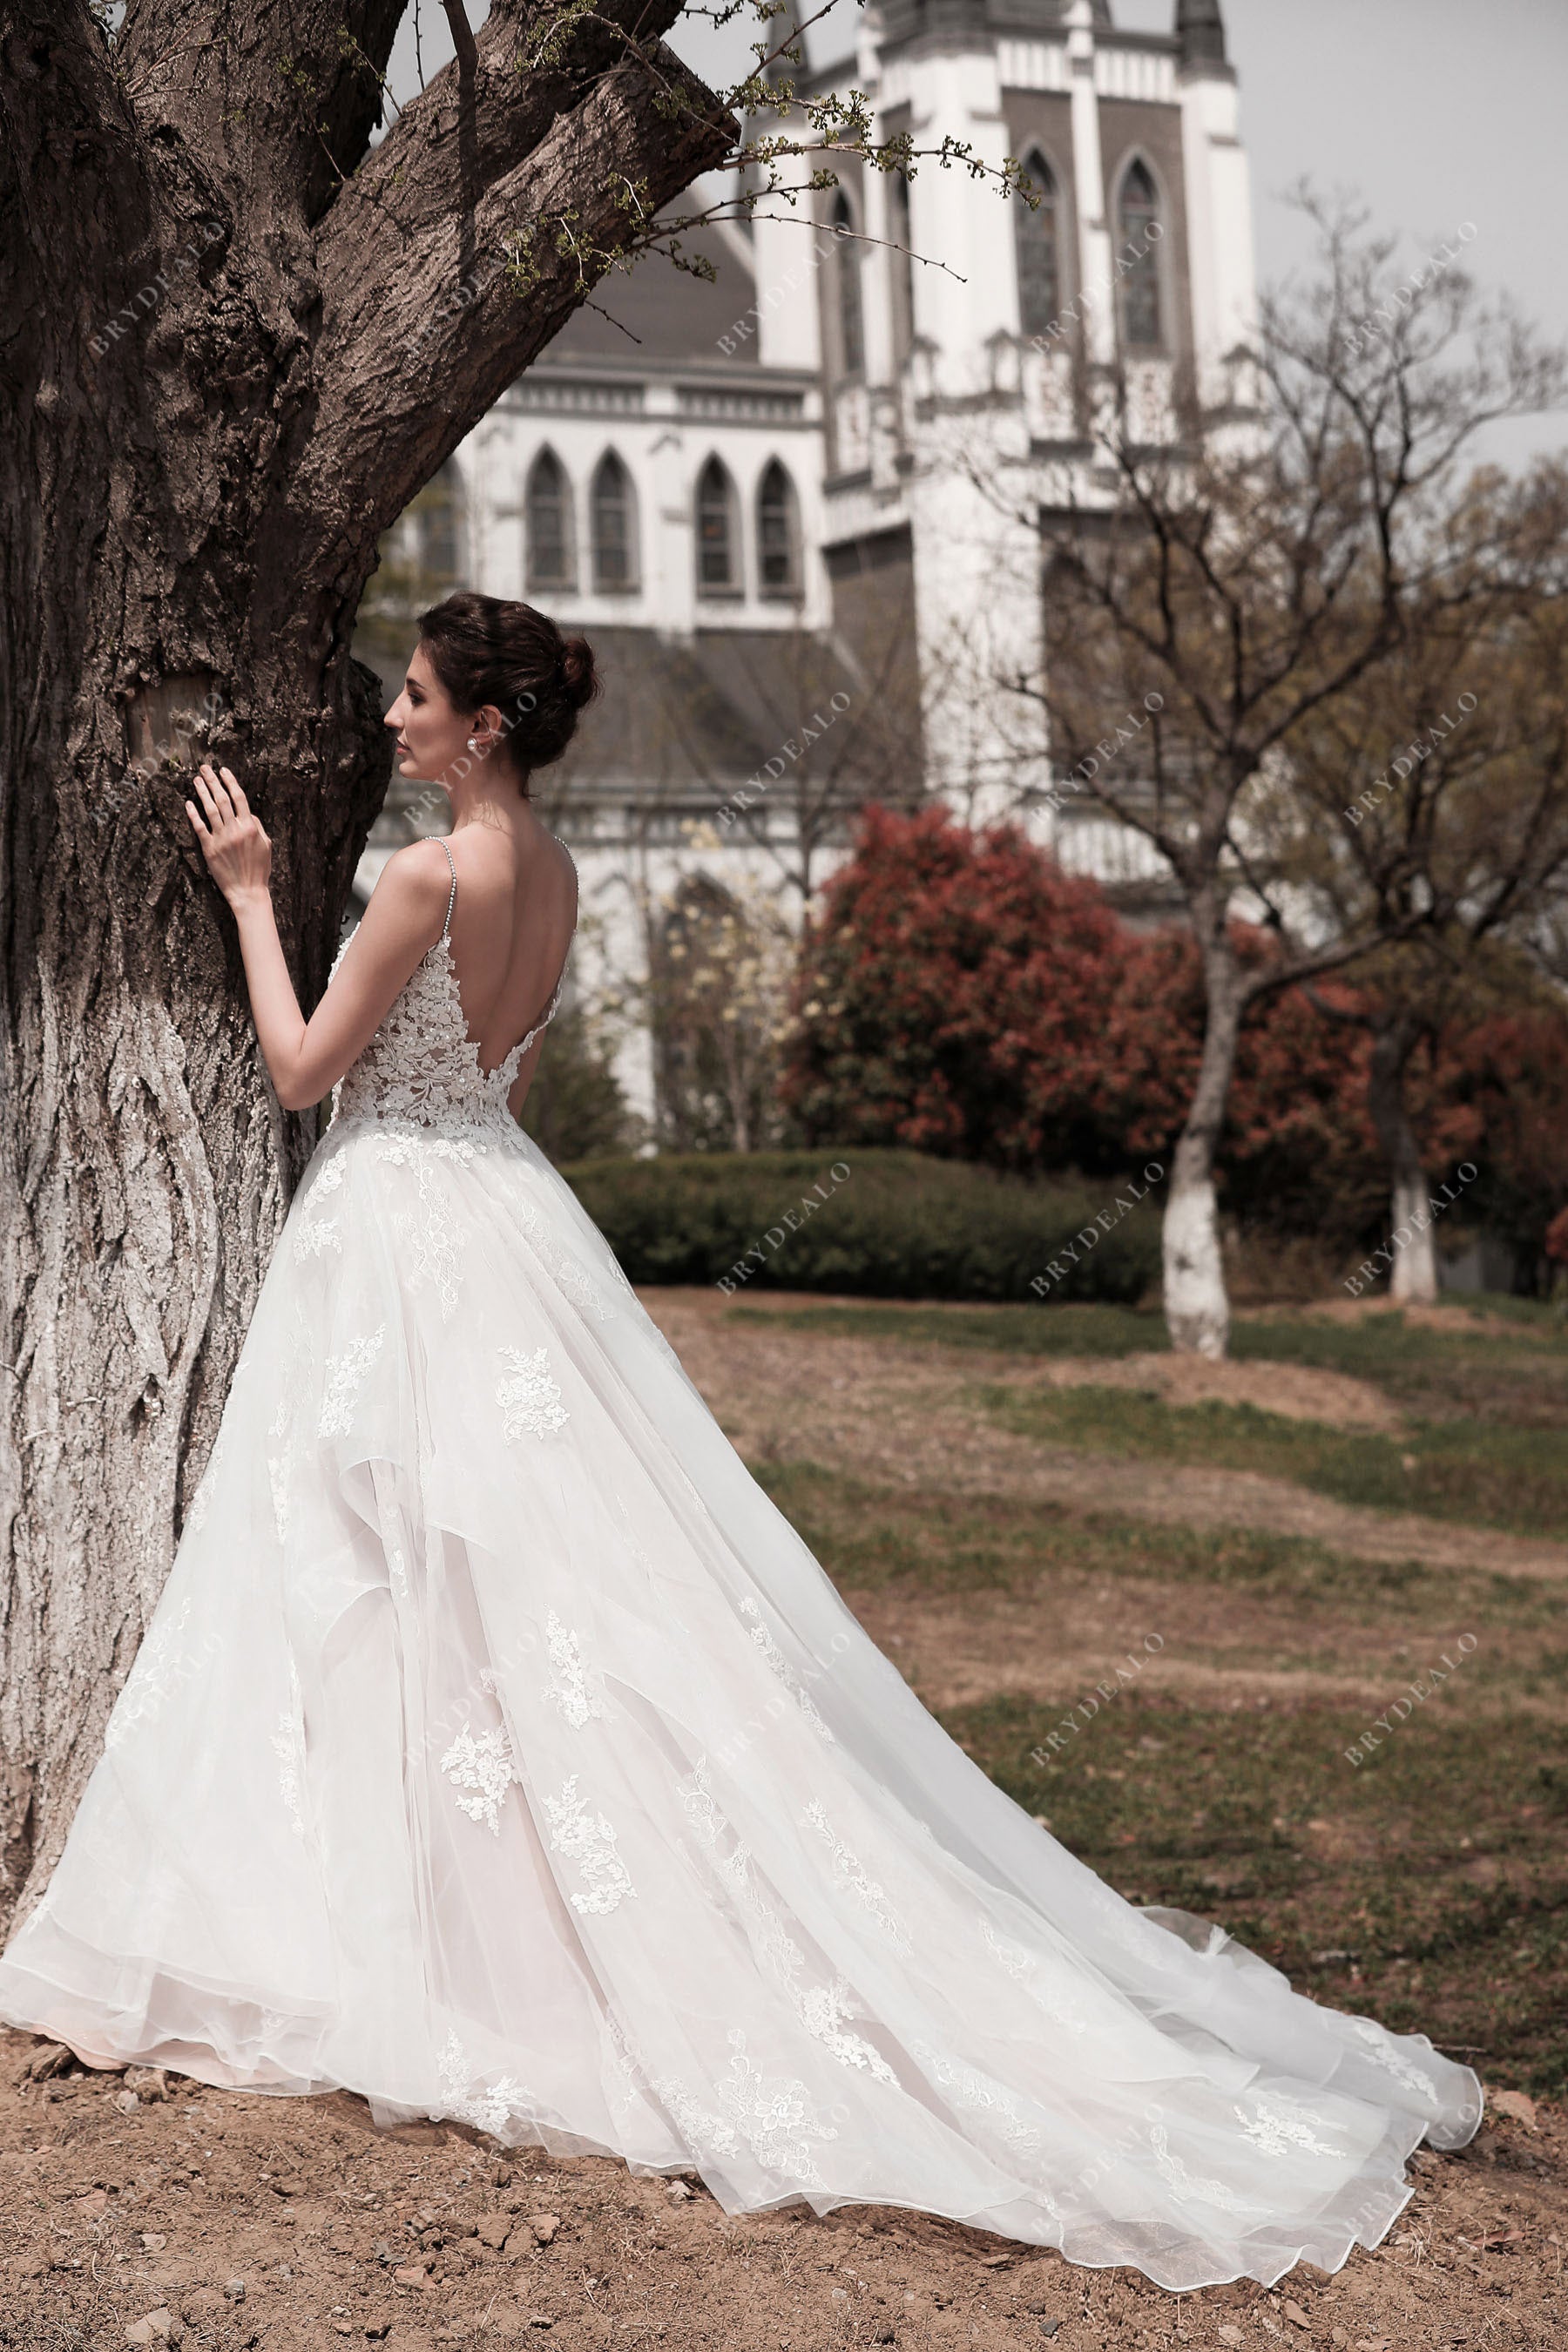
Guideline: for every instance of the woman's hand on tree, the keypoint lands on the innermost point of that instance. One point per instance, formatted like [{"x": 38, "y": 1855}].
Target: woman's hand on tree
[{"x": 237, "y": 852}]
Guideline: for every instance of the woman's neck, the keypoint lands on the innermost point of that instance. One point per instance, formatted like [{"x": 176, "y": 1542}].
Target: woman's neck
[{"x": 488, "y": 798}]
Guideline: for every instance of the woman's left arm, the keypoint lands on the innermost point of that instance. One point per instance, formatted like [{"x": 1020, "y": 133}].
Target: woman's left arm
[{"x": 305, "y": 1059}]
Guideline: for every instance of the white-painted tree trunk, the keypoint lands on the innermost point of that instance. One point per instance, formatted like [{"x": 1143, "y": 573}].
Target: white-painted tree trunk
[
  {"x": 1412, "y": 1281},
  {"x": 1413, "y": 1277},
  {"x": 1197, "y": 1306}
]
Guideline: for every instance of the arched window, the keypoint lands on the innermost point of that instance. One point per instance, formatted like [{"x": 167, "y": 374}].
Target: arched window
[
  {"x": 718, "y": 552},
  {"x": 903, "y": 267},
  {"x": 1139, "y": 213},
  {"x": 440, "y": 512},
  {"x": 550, "y": 552},
  {"x": 612, "y": 502},
  {"x": 851, "y": 328},
  {"x": 1035, "y": 244},
  {"x": 778, "y": 533}
]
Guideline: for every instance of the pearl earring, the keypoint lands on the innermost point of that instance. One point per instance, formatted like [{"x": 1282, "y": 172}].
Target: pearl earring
[{"x": 473, "y": 743}]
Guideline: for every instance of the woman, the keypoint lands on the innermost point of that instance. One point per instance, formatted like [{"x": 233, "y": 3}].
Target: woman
[{"x": 497, "y": 1751}]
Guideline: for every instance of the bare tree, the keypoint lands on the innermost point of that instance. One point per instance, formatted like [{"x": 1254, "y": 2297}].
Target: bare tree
[
  {"x": 1233, "y": 584},
  {"x": 844, "y": 725},
  {"x": 1439, "y": 791}
]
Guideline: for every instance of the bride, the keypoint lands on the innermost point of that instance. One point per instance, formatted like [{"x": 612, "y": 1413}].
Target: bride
[{"x": 498, "y": 1751}]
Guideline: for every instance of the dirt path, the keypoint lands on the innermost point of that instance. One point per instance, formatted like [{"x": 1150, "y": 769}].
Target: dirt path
[
  {"x": 864, "y": 1407},
  {"x": 213, "y": 2221}
]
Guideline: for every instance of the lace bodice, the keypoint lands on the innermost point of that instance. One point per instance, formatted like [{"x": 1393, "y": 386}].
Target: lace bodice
[{"x": 421, "y": 1064}]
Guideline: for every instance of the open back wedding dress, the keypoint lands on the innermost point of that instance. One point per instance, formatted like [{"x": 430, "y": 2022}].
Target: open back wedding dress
[{"x": 497, "y": 1751}]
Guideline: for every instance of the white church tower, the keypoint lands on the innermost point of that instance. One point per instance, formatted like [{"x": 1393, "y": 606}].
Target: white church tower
[{"x": 799, "y": 509}]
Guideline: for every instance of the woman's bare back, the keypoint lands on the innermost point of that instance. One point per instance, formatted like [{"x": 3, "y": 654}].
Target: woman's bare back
[{"x": 512, "y": 921}]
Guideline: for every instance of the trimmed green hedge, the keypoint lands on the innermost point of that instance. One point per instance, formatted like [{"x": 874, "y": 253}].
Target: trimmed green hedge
[{"x": 896, "y": 1225}]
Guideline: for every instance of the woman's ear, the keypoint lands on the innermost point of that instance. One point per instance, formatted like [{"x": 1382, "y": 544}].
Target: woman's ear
[{"x": 487, "y": 723}]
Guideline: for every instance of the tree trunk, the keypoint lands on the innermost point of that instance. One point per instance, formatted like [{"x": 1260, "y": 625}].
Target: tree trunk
[
  {"x": 1197, "y": 1307},
  {"x": 232, "y": 366},
  {"x": 1412, "y": 1277}
]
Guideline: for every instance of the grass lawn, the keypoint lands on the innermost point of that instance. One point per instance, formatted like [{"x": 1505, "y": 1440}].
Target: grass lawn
[
  {"x": 1490, "y": 1473},
  {"x": 1426, "y": 1885},
  {"x": 1487, "y": 1435}
]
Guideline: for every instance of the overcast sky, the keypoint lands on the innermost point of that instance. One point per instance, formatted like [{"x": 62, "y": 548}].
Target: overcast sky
[{"x": 1435, "y": 113}]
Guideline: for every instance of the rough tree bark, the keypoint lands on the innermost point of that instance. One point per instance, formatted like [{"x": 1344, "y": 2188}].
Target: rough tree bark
[{"x": 235, "y": 344}]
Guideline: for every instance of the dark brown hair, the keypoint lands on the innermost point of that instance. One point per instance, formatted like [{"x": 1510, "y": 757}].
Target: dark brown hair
[{"x": 484, "y": 649}]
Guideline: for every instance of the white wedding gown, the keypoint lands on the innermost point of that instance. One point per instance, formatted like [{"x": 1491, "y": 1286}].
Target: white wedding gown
[{"x": 497, "y": 1751}]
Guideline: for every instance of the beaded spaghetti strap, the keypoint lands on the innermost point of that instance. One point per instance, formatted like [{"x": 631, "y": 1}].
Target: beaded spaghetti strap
[{"x": 451, "y": 895}]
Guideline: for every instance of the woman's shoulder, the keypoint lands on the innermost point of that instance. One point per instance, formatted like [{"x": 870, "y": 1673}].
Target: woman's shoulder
[{"x": 414, "y": 885}]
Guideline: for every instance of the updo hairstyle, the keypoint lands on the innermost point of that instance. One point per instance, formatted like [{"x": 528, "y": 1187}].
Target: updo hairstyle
[{"x": 484, "y": 649}]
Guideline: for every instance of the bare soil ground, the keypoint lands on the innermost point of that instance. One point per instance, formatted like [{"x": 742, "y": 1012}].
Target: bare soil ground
[
  {"x": 140, "y": 2210},
  {"x": 209, "y": 2219}
]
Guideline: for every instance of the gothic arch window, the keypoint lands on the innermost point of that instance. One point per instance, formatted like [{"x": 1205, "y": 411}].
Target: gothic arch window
[
  {"x": 1036, "y": 246},
  {"x": 614, "y": 515},
  {"x": 778, "y": 533},
  {"x": 551, "y": 552},
  {"x": 851, "y": 320},
  {"x": 440, "y": 510},
  {"x": 903, "y": 268},
  {"x": 717, "y": 537},
  {"x": 1140, "y": 228}
]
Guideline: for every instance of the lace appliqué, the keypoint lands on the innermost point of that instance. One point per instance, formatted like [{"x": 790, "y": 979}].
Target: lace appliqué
[
  {"x": 530, "y": 1398},
  {"x": 1026, "y": 1968},
  {"x": 579, "y": 1284},
  {"x": 422, "y": 1066},
  {"x": 564, "y": 1270},
  {"x": 824, "y": 2009},
  {"x": 332, "y": 1171},
  {"x": 430, "y": 1235},
  {"x": 589, "y": 1841},
  {"x": 1274, "y": 2128},
  {"x": 703, "y": 2133},
  {"x": 1185, "y": 2186},
  {"x": 825, "y": 2012},
  {"x": 848, "y": 1873},
  {"x": 775, "y": 2115},
  {"x": 342, "y": 1386},
  {"x": 569, "y": 1689},
  {"x": 313, "y": 1235},
  {"x": 488, "y": 2107},
  {"x": 288, "y": 1747},
  {"x": 763, "y": 1636},
  {"x": 1380, "y": 2049},
  {"x": 154, "y": 1670},
  {"x": 978, "y": 2094},
  {"x": 485, "y": 1768}
]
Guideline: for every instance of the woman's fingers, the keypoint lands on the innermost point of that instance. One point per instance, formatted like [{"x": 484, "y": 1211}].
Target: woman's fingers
[
  {"x": 191, "y": 811},
  {"x": 205, "y": 791},
  {"x": 215, "y": 792},
  {"x": 236, "y": 793}
]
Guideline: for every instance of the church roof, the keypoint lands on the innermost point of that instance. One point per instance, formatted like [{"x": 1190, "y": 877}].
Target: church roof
[
  {"x": 912, "y": 20},
  {"x": 684, "y": 721},
  {"x": 671, "y": 314}
]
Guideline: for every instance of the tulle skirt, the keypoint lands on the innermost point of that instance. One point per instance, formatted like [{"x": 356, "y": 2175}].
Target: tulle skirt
[{"x": 497, "y": 1751}]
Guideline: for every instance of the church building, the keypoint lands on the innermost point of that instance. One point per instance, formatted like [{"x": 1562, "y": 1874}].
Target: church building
[{"x": 798, "y": 508}]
